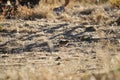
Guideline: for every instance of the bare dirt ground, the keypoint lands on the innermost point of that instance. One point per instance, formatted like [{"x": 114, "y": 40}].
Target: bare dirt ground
[{"x": 80, "y": 41}]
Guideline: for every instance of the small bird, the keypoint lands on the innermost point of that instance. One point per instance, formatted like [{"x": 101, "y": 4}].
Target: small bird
[
  {"x": 59, "y": 10},
  {"x": 63, "y": 43}
]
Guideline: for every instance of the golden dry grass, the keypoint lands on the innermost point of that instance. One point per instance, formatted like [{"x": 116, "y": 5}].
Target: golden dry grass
[
  {"x": 44, "y": 9},
  {"x": 115, "y": 3},
  {"x": 75, "y": 66},
  {"x": 32, "y": 73}
]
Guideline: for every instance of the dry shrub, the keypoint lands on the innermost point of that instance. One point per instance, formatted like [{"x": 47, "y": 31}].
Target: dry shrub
[
  {"x": 24, "y": 12},
  {"x": 99, "y": 17},
  {"x": 115, "y": 3},
  {"x": 2, "y": 17},
  {"x": 43, "y": 10},
  {"x": 103, "y": 1},
  {"x": 109, "y": 55}
]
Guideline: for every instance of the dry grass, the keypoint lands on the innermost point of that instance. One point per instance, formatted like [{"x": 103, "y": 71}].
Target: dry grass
[
  {"x": 40, "y": 11},
  {"x": 44, "y": 9},
  {"x": 105, "y": 65},
  {"x": 2, "y": 18},
  {"x": 115, "y": 3},
  {"x": 24, "y": 12},
  {"x": 32, "y": 73}
]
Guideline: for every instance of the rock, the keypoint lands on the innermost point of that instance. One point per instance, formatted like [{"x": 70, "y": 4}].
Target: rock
[
  {"x": 26, "y": 25},
  {"x": 4, "y": 56},
  {"x": 118, "y": 21},
  {"x": 3, "y": 50},
  {"x": 58, "y": 58},
  {"x": 63, "y": 43},
  {"x": 17, "y": 50},
  {"x": 90, "y": 29},
  {"x": 58, "y": 63},
  {"x": 86, "y": 12},
  {"x": 86, "y": 38}
]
